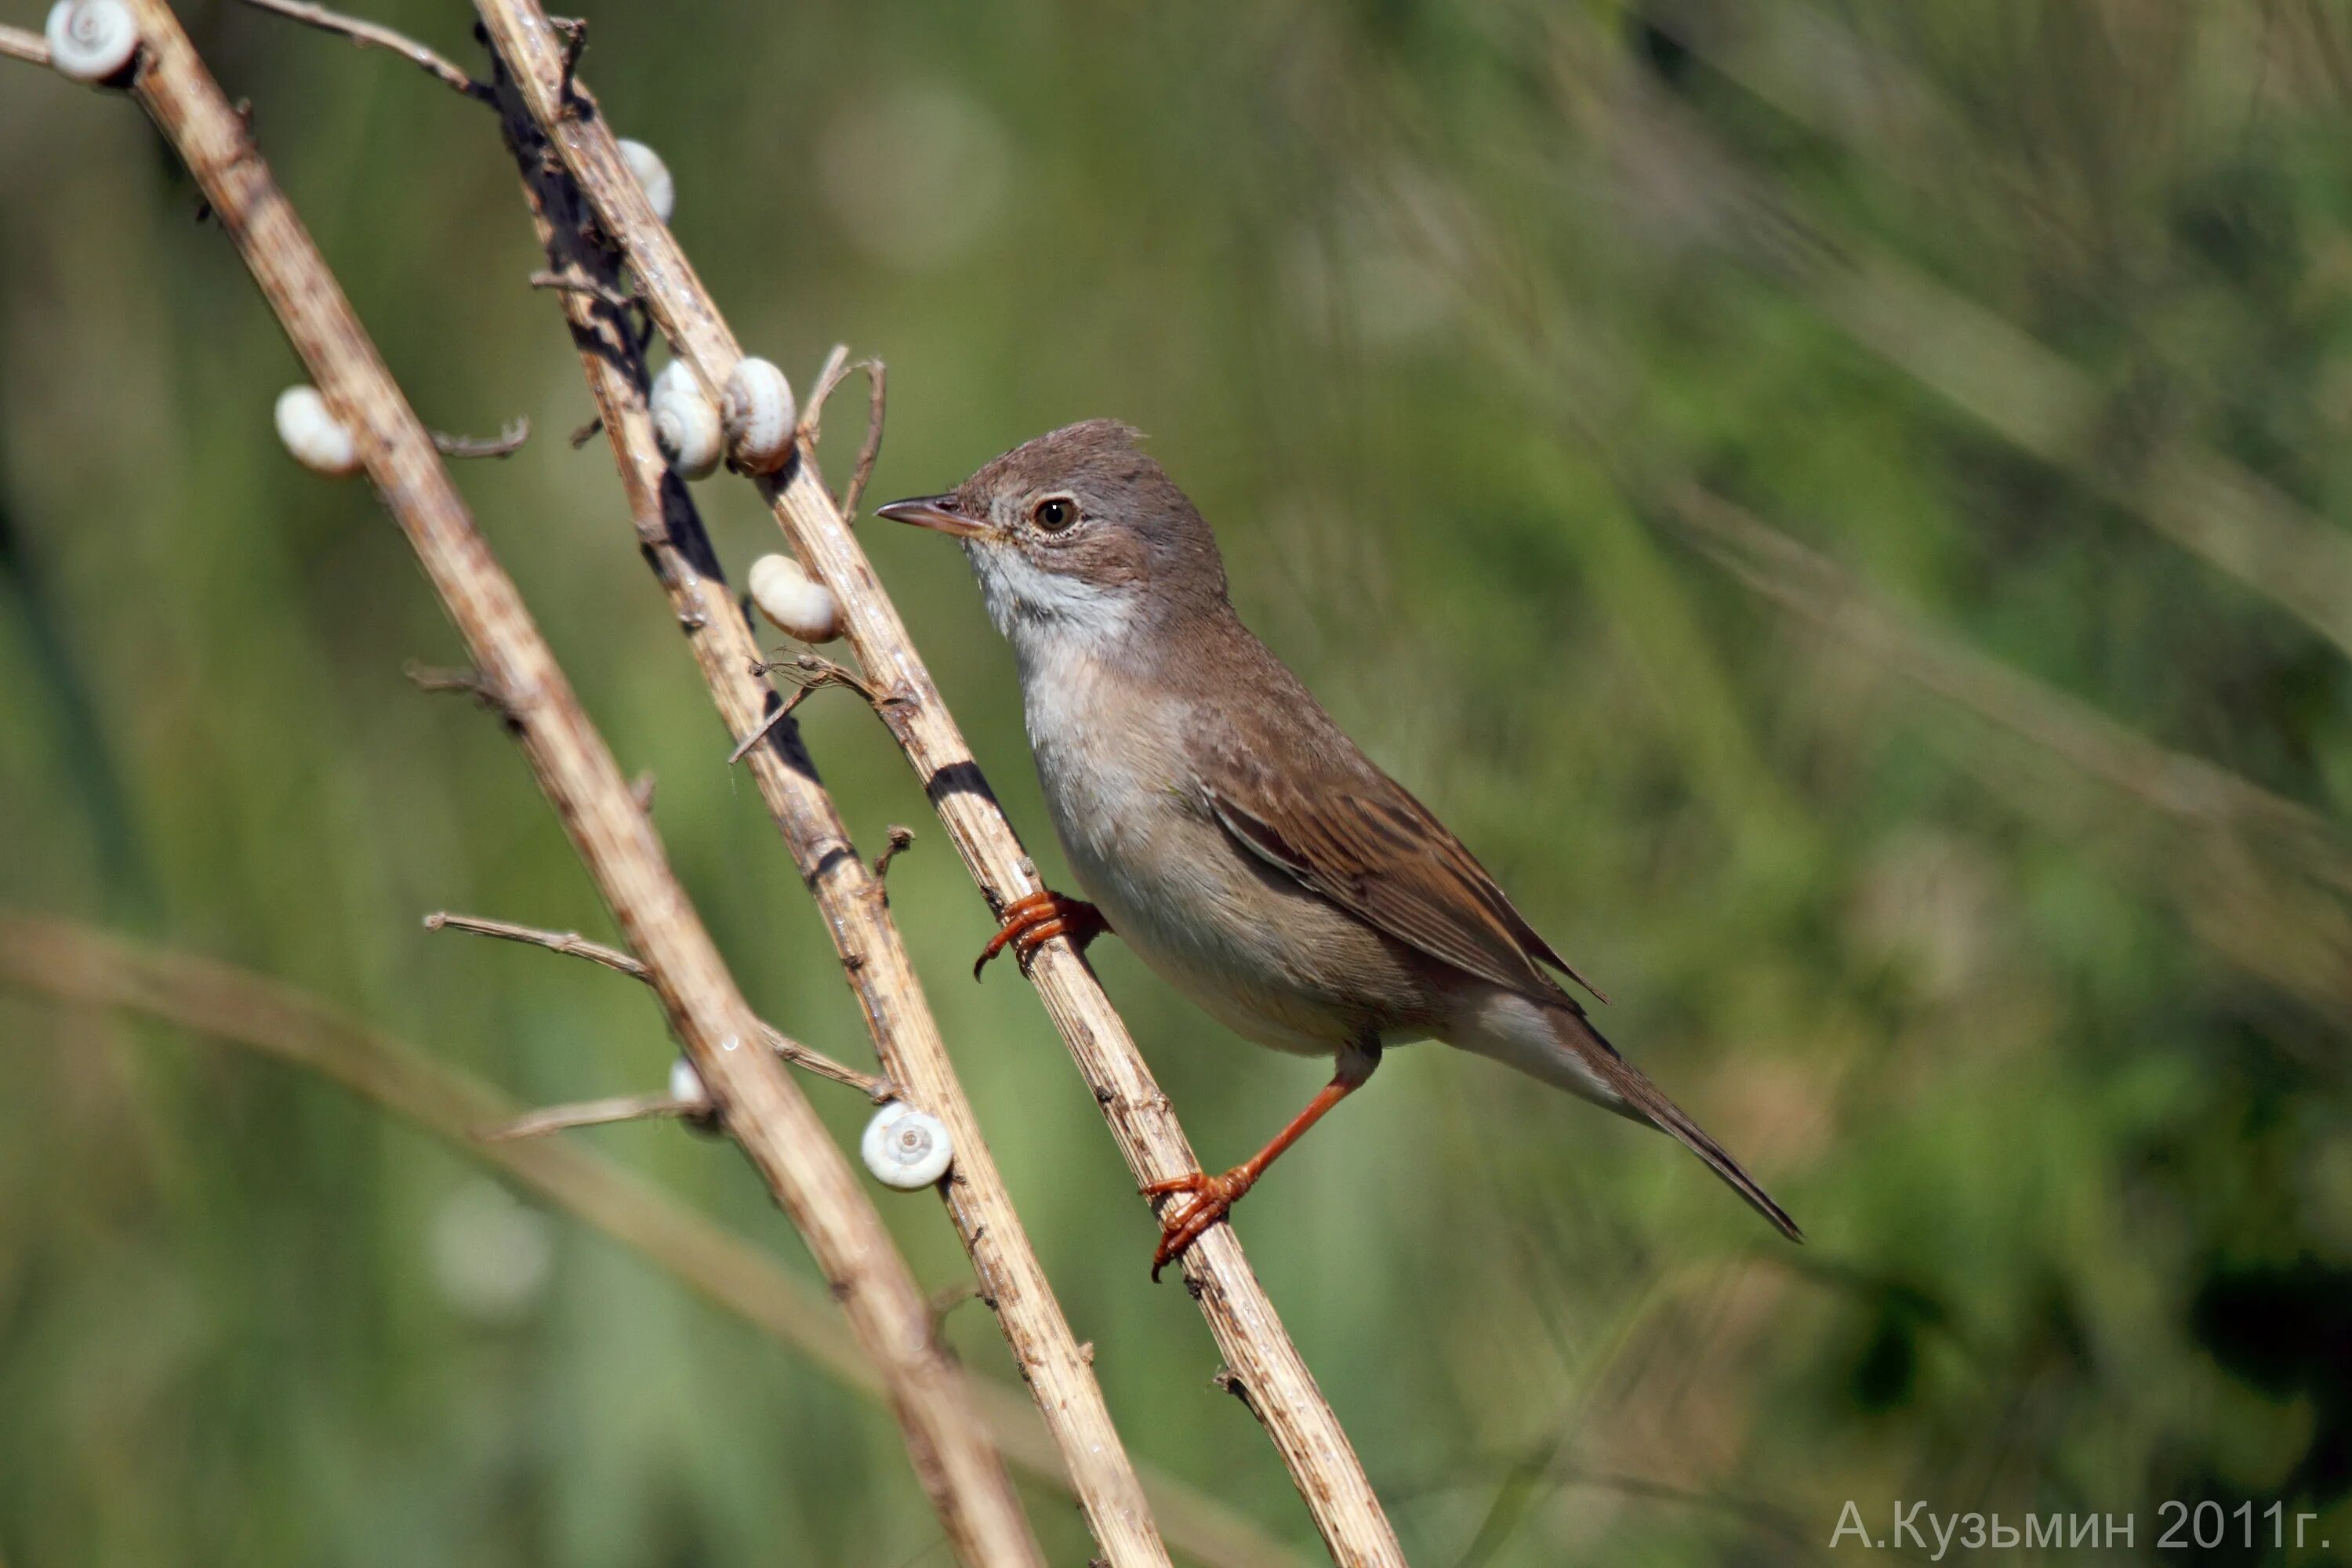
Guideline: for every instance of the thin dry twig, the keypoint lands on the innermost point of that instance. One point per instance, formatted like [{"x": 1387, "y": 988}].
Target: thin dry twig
[
  {"x": 764, "y": 1111},
  {"x": 873, "y": 960},
  {"x": 780, "y": 713},
  {"x": 829, "y": 376},
  {"x": 594, "y": 1113},
  {"x": 368, "y": 35},
  {"x": 74, "y": 963},
  {"x": 835, "y": 371},
  {"x": 1260, "y": 1356},
  {"x": 871, "y": 448},
  {"x": 901, "y": 839},
  {"x": 813, "y": 670},
  {"x": 574, "y": 31},
  {"x": 18, "y": 43},
  {"x": 807, "y": 1057},
  {"x": 570, "y": 942},
  {"x": 506, "y": 444},
  {"x": 437, "y": 679},
  {"x": 572, "y": 282}
]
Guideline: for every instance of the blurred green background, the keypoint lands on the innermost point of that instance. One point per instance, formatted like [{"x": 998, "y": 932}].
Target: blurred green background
[{"x": 1837, "y": 504}]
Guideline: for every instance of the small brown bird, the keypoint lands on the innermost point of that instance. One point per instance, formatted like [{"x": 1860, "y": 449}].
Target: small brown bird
[{"x": 1228, "y": 830}]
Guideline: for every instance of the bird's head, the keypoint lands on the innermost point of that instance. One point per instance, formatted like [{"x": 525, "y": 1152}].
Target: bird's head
[{"x": 1077, "y": 534}]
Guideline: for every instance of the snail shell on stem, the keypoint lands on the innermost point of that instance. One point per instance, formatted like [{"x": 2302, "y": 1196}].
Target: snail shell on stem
[
  {"x": 320, "y": 441},
  {"x": 90, "y": 41},
  {"x": 685, "y": 423},
  {"x": 904, "y": 1148},
  {"x": 799, "y": 604},
  {"x": 653, "y": 174},
  {"x": 758, "y": 415}
]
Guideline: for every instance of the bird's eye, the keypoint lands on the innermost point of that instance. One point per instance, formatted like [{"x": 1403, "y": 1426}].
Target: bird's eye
[{"x": 1054, "y": 513}]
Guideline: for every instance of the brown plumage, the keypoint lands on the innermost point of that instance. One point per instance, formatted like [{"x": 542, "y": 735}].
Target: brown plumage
[{"x": 1229, "y": 830}]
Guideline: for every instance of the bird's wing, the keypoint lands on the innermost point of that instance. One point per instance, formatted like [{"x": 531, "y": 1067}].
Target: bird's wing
[{"x": 1348, "y": 831}]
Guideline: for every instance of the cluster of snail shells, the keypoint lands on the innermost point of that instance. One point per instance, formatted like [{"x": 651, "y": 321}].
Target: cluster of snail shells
[
  {"x": 904, "y": 1148},
  {"x": 752, "y": 426},
  {"x": 90, "y": 41}
]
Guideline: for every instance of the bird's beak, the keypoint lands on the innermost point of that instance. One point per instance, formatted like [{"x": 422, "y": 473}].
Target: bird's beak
[{"x": 944, "y": 513}]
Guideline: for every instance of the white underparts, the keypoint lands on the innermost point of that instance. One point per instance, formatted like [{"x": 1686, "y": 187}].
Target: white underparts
[
  {"x": 1525, "y": 1035},
  {"x": 1025, "y": 600}
]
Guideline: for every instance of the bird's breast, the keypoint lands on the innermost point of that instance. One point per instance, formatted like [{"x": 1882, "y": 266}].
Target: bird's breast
[{"x": 1248, "y": 945}]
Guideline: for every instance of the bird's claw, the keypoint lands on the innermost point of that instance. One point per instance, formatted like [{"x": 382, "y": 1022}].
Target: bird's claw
[
  {"x": 1182, "y": 1225},
  {"x": 1032, "y": 921}
]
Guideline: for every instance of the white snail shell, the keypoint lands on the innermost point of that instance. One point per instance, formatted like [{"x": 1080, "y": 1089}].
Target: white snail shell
[
  {"x": 90, "y": 41},
  {"x": 686, "y": 1084},
  {"x": 758, "y": 415},
  {"x": 799, "y": 605},
  {"x": 906, "y": 1148},
  {"x": 686, "y": 424},
  {"x": 653, "y": 174},
  {"x": 320, "y": 441}
]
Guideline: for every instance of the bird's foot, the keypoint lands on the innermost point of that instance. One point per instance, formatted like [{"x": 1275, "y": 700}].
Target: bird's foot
[
  {"x": 1038, "y": 919},
  {"x": 1182, "y": 1225}
]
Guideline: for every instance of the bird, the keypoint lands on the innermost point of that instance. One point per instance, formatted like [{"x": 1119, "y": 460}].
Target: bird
[{"x": 1224, "y": 827}]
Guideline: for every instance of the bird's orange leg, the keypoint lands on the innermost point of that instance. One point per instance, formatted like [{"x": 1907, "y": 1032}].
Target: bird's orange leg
[
  {"x": 1213, "y": 1195},
  {"x": 1038, "y": 919}
]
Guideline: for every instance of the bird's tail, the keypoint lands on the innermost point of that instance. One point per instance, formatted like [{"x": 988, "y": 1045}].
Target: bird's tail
[{"x": 1559, "y": 1046}]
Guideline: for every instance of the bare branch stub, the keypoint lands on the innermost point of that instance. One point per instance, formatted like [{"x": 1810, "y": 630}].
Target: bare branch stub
[
  {"x": 573, "y": 284},
  {"x": 571, "y": 942},
  {"x": 835, "y": 371},
  {"x": 599, "y": 1113},
  {"x": 473, "y": 683},
  {"x": 371, "y": 34},
  {"x": 505, "y": 443},
  {"x": 872, "y": 446},
  {"x": 901, "y": 839},
  {"x": 776, "y": 715},
  {"x": 830, "y": 374},
  {"x": 574, "y": 31}
]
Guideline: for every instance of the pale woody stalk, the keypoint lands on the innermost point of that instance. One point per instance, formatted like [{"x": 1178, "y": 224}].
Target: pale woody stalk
[
  {"x": 850, "y": 894},
  {"x": 764, "y": 1111}
]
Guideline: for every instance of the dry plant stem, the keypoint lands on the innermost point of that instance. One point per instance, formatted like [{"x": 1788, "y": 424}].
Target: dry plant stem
[
  {"x": 2019, "y": 387},
  {"x": 850, "y": 894},
  {"x": 762, "y": 1108},
  {"x": 592, "y": 1113},
  {"x": 367, "y": 35},
  {"x": 1265, "y": 1368},
  {"x": 2187, "y": 788},
  {"x": 505, "y": 443},
  {"x": 806, "y": 1057},
  {"x": 2260, "y": 879},
  {"x": 18, "y": 44},
  {"x": 74, "y": 964}
]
